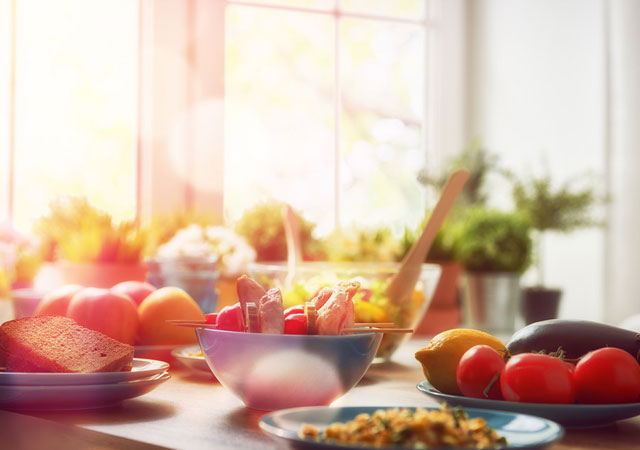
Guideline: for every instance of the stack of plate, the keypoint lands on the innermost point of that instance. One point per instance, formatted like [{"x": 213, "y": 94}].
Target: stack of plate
[{"x": 68, "y": 391}]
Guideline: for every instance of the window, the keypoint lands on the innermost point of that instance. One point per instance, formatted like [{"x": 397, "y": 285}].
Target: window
[
  {"x": 73, "y": 113},
  {"x": 326, "y": 106},
  {"x": 328, "y": 113}
]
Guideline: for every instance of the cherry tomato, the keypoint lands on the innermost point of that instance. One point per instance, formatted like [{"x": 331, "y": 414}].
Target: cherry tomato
[
  {"x": 476, "y": 369},
  {"x": 536, "y": 378},
  {"x": 607, "y": 375},
  {"x": 211, "y": 319},
  {"x": 230, "y": 318},
  {"x": 295, "y": 324},
  {"x": 298, "y": 309}
]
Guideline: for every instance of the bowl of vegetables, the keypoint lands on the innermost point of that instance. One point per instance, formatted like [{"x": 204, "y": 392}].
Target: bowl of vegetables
[{"x": 370, "y": 302}]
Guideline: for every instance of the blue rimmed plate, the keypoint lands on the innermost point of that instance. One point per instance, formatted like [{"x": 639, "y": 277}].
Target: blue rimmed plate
[
  {"x": 567, "y": 415},
  {"x": 521, "y": 431}
]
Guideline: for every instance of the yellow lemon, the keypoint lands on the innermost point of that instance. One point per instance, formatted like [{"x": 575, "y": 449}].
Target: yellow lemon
[{"x": 440, "y": 357}]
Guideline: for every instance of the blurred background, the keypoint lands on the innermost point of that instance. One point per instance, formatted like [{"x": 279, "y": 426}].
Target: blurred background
[{"x": 124, "y": 121}]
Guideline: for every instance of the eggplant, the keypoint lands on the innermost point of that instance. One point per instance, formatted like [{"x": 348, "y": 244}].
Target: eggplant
[{"x": 575, "y": 337}]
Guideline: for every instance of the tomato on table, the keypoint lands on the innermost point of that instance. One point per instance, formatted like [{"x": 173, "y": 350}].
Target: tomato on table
[
  {"x": 607, "y": 375},
  {"x": 478, "y": 367},
  {"x": 536, "y": 378}
]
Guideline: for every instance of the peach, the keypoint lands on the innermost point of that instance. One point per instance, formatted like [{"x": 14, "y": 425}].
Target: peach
[
  {"x": 107, "y": 312},
  {"x": 164, "y": 304},
  {"x": 137, "y": 290},
  {"x": 56, "y": 301}
]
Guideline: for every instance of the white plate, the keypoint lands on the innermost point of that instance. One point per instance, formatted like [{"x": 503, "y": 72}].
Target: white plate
[
  {"x": 521, "y": 431},
  {"x": 141, "y": 368},
  {"x": 187, "y": 357},
  {"x": 71, "y": 397}
]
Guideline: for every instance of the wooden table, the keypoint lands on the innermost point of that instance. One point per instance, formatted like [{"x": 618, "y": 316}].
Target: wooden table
[{"x": 195, "y": 412}]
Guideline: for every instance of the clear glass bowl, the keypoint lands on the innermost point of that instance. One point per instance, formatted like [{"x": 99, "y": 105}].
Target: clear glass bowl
[
  {"x": 371, "y": 305},
  {"x": 196, "y": 275},
  {"x": 277, "y": 371}
]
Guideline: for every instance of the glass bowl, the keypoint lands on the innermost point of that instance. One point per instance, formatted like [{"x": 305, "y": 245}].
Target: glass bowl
[
  {"x": 371, "y": 305},
  {"x": 277, "y": 371},
  {"x": 196, "y": 275}
]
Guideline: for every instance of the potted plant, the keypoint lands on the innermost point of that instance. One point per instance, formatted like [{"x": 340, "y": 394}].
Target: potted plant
[
  {"x": 87, "y": 247},
  {"x": 495, "y": 249},
  {"x": 262, "y": 226},
  {"x": 562, "y": 209}
]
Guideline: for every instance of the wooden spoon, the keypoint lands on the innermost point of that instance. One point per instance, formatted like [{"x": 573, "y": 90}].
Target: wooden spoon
[
  {"x": 294, "y": 247},
  {"x": 403, "y": 283}
]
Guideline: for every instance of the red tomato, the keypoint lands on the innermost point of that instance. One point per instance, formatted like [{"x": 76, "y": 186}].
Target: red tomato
[
  {"x": 230, "y": 318},
  {"x": 211, "y": 319},
  {"x": 607, "y": 375},
  {"x": 477, "y": 367},
  {"x": 298, "y": 309},
  {"x": 295, "y": 324},
  {"x": 536, "y": 378}
]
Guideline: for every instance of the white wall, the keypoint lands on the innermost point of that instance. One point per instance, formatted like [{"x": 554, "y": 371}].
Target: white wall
[{"x": 537, "y": 84}]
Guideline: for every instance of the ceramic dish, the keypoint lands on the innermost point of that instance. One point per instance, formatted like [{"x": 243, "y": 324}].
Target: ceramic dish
[
  {"x": 278, "y": 371},
  {"x": 188, "y": 357},
  {"x": 521, "y": 431},
  {"x": 566, "y": 415},
  {"x": 72, "y": 397},
  {"x": 142, "y": 368}
]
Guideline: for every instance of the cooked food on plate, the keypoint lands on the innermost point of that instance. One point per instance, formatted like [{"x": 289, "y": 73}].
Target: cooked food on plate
[{"x": 419, "y": 428}]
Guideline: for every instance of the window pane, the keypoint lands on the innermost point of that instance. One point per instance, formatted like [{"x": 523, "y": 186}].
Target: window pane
[
  {"x": 5, "y": 52},
  {"x": 76, "y": 94},
  {"x": 383, "y": 102},
  {"x": 413, "y": 9},
  {"x": 317, "y": 4},
  {"x": 279, "y": 118}
]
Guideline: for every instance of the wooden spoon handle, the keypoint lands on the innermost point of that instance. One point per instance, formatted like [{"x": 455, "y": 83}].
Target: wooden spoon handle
[{"x": 403, "y": 283}]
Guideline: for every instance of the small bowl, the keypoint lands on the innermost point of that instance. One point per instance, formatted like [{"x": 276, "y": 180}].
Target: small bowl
[
  {"x": 371, "y": 304},
  {"x": 196, "y": 275},
  {"x": 25, "y": 301},
  {"x": 276, "y": 371}
]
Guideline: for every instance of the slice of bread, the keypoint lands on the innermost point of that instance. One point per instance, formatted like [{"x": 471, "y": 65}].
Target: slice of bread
[{"x": 58, "y": 344}]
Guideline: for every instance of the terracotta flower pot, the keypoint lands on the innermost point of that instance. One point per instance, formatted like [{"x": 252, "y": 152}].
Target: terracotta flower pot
[
  {"x": 102, "y": 275},
  {"x": 443, "y": 312}
]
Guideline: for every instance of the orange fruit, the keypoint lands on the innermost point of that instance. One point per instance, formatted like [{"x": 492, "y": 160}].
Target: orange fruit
[
  {"x": 164, "y": 304},
  {"x": 440, "y": 357}
]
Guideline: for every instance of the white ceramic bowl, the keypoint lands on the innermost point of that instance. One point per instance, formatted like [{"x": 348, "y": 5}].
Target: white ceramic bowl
[{"x": 276, "y": 371}]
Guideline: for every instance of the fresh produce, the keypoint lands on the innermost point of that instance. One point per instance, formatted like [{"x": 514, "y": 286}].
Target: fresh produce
[
  {"x": 109, "y": 313},
  {"x": 536, "y": 378},
  {"x": 230, "y": 318},
  {"x": 478, "y": 372},
  {"x": 164, "y": 304},
  {"x": 440, "y": 357},
  {"x": 295, "y": 324},
  {"x": 575, "y": 337},
  {"x": 137, "y": 290},
  {"x": 607, "y": 375},
  {"x": 56, "y": 301}
]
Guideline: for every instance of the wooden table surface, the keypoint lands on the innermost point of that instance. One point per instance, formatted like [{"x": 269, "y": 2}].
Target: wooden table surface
[{"x": 192, "y": 411}]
